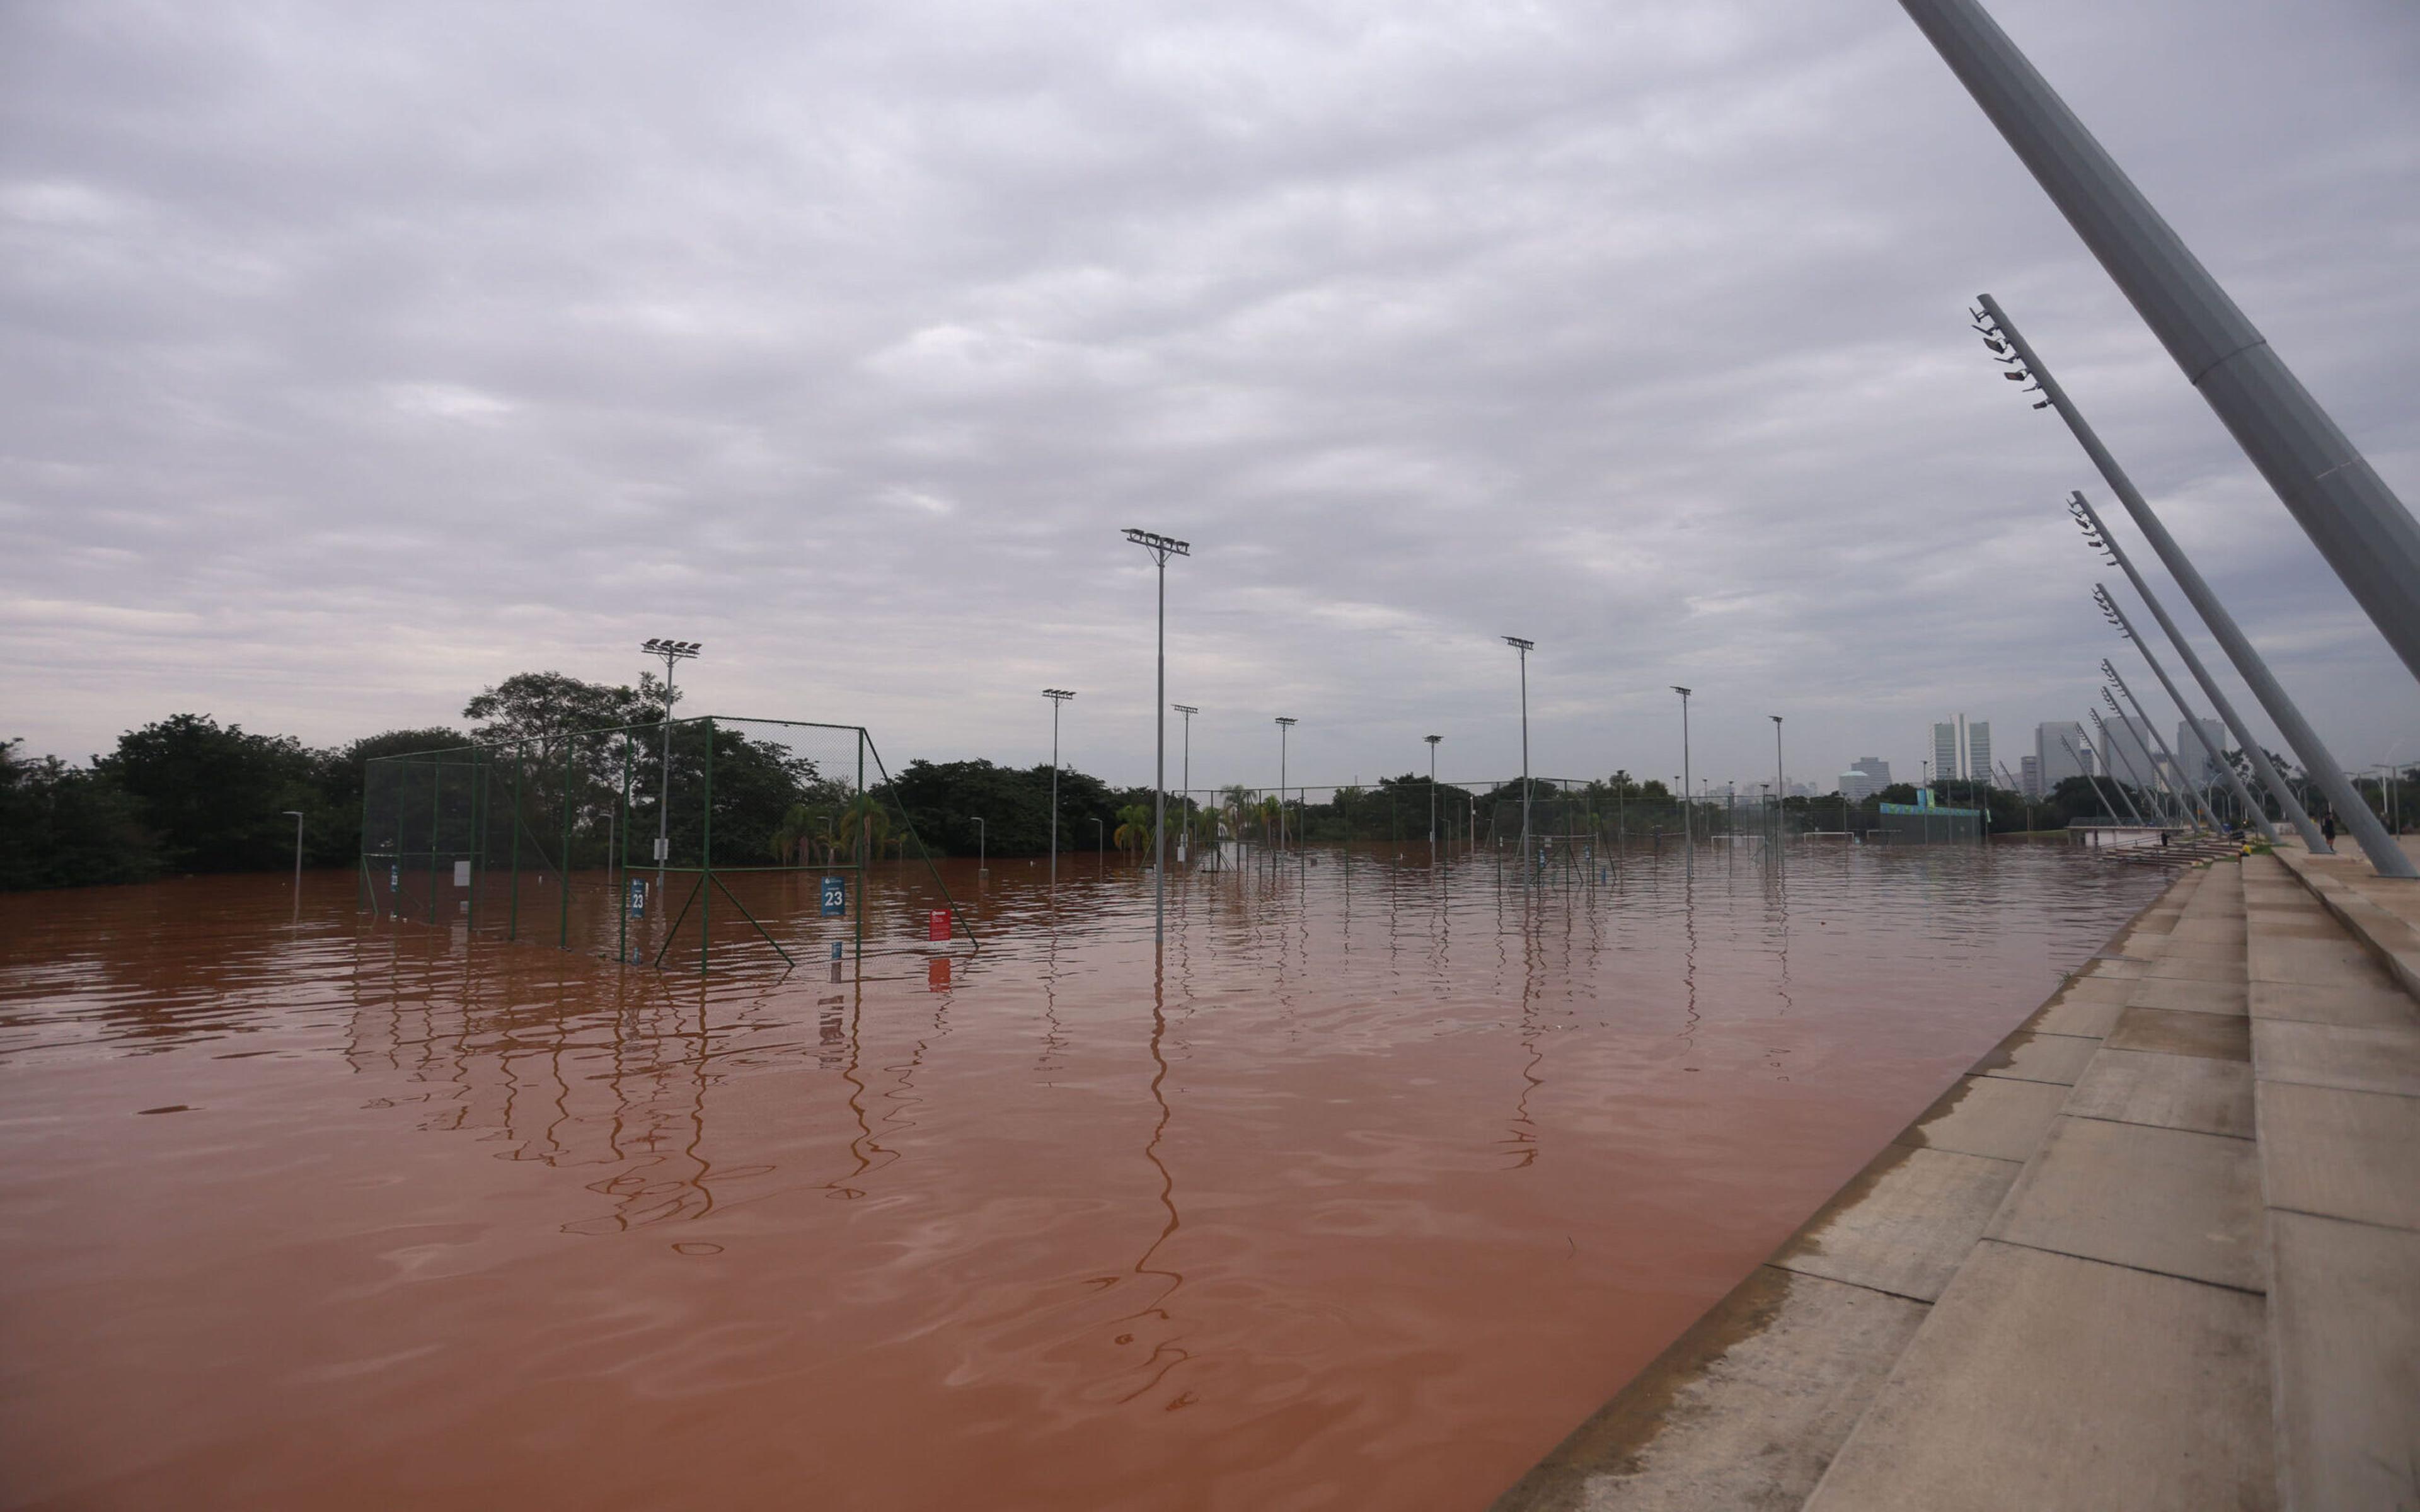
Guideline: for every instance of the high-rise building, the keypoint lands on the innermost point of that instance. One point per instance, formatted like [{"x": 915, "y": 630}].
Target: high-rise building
[
  {"x": 1944, "y": 750},
  {"x": 2130, "y": 756},
  {"x": 2201, "y": 770},
  {"x": 2060, "y": 752},
  {"x": 2029, "y": 777},
  {"x": 1866, "y": 776},
  {"x": 1962, "y": 751}
]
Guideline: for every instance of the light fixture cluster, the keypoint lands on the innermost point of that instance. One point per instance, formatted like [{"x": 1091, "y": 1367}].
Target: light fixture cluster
[
  {"x": 2003, "y": 351},
  {"x": 674, "y": 649}
]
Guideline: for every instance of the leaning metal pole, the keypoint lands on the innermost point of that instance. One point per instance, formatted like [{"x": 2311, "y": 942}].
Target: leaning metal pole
[
  {"x": 2163, "y": 802},
  {"x": 2077, "y": 757},
  {"x": 2330, "y": 489},
  {"x": 2112, "y": 749},
  {"x": 2318, "y": 763},
  {"x": 2188, "y": 795},
  {"x": 2261, "y": 766},
  {"x": 2217, "y": 758}
]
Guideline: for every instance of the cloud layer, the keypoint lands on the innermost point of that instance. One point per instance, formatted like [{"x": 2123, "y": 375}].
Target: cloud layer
[{"x": 356, "y": 359}]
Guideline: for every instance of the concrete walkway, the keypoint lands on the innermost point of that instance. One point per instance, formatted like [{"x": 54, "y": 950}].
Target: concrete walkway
[{"x": 2160, "y": 1249}]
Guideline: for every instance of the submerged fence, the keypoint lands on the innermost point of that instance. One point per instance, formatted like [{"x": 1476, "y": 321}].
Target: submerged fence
[{"x": 654, "y": 843}]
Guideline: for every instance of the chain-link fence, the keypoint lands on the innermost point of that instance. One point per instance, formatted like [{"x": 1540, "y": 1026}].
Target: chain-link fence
[{"x": 664, "y": 843}]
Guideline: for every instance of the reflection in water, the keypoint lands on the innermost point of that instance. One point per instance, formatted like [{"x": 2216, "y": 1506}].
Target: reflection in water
[{"x": 893, "y": 1233}]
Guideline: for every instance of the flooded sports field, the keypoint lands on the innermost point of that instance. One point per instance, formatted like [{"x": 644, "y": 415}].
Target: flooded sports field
[{"x": 1386, "y": 1176}]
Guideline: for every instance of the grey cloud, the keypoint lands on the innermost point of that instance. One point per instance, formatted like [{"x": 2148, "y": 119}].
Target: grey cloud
[{"x": 359, "y": 357}]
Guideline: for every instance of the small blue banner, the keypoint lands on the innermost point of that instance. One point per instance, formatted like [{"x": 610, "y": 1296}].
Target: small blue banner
[
  {"x": 638, "y": 897},
  {"x": 835, "y": 897}
]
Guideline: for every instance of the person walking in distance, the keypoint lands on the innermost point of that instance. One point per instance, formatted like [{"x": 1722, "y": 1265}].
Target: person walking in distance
[{"x": 2328, "y": 825}]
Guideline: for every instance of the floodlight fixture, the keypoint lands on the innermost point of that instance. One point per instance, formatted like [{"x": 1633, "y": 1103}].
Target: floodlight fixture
[
  {"x": 1162, "y": 547},
  {"x": 1184, "y": 708},
  {"x": 1519, "y": 645}
]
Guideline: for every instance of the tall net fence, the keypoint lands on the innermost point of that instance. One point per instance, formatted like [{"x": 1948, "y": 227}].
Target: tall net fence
[{"x": 669, "y": 843}]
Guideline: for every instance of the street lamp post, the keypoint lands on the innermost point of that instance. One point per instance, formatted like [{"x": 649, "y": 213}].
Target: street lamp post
[
  {"x": 1285, "y": 727},
  {"x": 1058, "y": 696},
  {"x": 983, "y": 841},
  {"x": 1432, "y": 745},
  {"x": 674, "y": 653},
  {"x": 1161, "y": 548},
  {"x": 1184, "y": 845},
  {"x": 1781, "y": 781},
  {"x": 296, "y": 814},
  {"x": 1524, "y": 648},
  {"x": 1688, "y": 830},
  {"x": 1100, "y": 845}
]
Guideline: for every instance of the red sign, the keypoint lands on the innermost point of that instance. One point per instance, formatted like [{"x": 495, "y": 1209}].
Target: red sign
[{"x": 936, "y": 924}]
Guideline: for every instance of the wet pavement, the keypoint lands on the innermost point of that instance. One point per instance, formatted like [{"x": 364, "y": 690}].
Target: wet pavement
[{"x": 1386, "y": 1177}]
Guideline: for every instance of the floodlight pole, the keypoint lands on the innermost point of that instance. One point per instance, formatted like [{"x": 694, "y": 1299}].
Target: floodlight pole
[
  {"x": 1285, "y": 727},
  {"x": 982, "y": 841},
  {"x": 1780, "y": 784},
  {"x": 1057, "y": 697},
  {"x": 2384, "y": 854},
  {"x": 2187, "y": 796},
  {"x": 2117, "y": 748},
  {"x": 1524, "y": 648},
  {"x": 1184, "y": 851},
  {"x": 2262, "y": 767},
  {"x": 1432, "y": 741},
  {"x": 2099, "y": 796},
  {"x": 1688, "y": 829},
  {"x": 2175, "y": 762},
  {"x": 672, "y": 652},
  {"x": 296, "y": 814},
  {"x": 1161, "y": 548},
  {"x": 2343, "y": 505},
  {"x": 2164, "y": 801},
  {"x": 2242, "y": 794}
]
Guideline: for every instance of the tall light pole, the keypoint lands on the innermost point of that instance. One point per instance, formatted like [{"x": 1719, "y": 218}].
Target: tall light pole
[
  {"x": 1688, "y": 830},
  {"x": 2118, "y": 750},
  {"x": 1524, "y": 648},
  {"x": 2319, "y": 765},
  {"x": 2126, "y": 628},
  {"x": 1780, "y": 786},
  {"x": 2342, "y": 504},
  {"x": 2185, "y": 790},
  {"x": 296, "y": 814},
  {"x": 1432, "y": 745},
  {"x": 1058, "y": 696},
  {"x": 1285, "y": 727},
  {"x": 1184, "y": 851},
  {"x": 674, "y": 653},
  {"x": 1161, "y": 548},
  {"x": 2099, "y": 537},
  {"x": 982, "y": 842}
]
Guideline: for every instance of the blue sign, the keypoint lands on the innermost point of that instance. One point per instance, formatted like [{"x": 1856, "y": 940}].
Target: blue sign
[
  {"x": 638, "y": 897},
  {"x": 835, "y": 897}
]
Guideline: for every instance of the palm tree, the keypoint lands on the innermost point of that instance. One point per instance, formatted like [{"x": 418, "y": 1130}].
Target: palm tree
[
  {"x": 867, "y": 822},
  {"x": 794, "y": 842},
  {"x": 1133, "y": 833}
]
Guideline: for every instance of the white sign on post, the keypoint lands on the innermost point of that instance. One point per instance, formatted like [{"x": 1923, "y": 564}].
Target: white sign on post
[
  {"x": 462, "y": 873},
  {"x": 663, "y": 848}
]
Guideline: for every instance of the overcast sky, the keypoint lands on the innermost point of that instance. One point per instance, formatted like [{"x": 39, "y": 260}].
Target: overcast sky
[{"x": 354, "y": 357}]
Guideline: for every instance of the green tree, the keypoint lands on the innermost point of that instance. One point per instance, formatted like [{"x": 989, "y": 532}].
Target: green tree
[
  {"x": 1133, "y": 834},
  {"x": 67, "y": 826},
  {"x": 215, "y": 796}
]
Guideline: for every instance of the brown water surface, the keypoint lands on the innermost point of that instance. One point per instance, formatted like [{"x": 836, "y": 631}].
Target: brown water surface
[{"x": 1387, "y": 1179}]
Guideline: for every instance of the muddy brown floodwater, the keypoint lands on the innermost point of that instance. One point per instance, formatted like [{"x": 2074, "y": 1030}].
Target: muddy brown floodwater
[{"x": 1390, "y": 1177}]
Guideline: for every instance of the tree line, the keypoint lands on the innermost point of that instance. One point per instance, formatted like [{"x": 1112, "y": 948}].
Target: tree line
[{"x": 187, "y": 795}]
